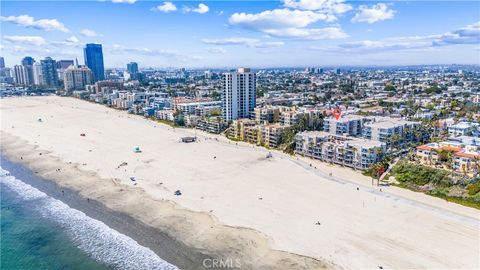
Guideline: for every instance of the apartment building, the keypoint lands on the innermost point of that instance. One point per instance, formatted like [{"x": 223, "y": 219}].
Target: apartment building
[
  {"x": 351, "y": 125},
  {"x": 463, "y": 129},
  {"x": 269, "y": 114},
  {"x": 77, "y": 77},
  {"x": 460, "y": 154},
  {"x": 352, "y": 152},
  {"x": 196, "y": 106},
  {"x": 165, "y": 115},
  {"x": 239, "y": 94},
  {"x": 271, "y": 135},
  {"x": 293, "y": 116},
  {"x": 239, "y": 127},
  {"x": 211, "y": 124},
  {"x": 392, "y": 131}
]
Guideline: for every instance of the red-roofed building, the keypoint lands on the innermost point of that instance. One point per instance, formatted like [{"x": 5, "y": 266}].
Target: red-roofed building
[{"x": 464, "y": 158}]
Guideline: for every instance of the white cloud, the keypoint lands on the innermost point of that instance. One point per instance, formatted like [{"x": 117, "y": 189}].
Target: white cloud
[
  {"x": 201, "y": 9},
  {"x": 326, "y": 6},
  {"x": 124, "y": 1},
  {"x": 19, "y": 50},
  {"x": 288, "y": 23},
  {"x": 249, "y": 42},
  {"x": 217, "y": 50},
  {"x": 375, "y": 13},
  {"x": 469, "y": 34},
  {"x": 165, "y": 7},
  {"x": 368, "y": 45},
  {"x": 277, "y": 18},
  {"x": 170, "y": 54},
  {"x": 31, "y": 40},
  {"x": 42, "y": 24},
  {"x": 309, "y": 33},
  {"x": 230, "y": 41},
  {"x": 90, "y": 33},
  {"x": 72, "y": 39}
]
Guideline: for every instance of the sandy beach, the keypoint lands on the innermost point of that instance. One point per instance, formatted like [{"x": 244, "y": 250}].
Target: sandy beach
[{"x": 236, "y": 203}]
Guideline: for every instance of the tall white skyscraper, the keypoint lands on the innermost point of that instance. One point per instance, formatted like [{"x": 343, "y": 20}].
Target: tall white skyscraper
[
  {"x": 239, "y": 94},
  {"x": 21, "y": 75},
  {"x": 37, "y": 74}
]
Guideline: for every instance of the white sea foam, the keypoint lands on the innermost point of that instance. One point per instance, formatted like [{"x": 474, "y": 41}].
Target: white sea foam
[{"x": 92, "y": 236}]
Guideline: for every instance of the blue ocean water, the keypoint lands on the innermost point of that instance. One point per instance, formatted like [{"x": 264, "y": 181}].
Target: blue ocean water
[
  {"x": 41, "y": 232},
  {"x": 31, "y": 242}
]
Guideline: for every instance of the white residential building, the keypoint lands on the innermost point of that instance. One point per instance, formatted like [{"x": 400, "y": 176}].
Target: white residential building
[
  {"x": 37, "y": 74},
  {"x": 77, "y": 77},
  {"x": 463, "y": 129},
  {"x": 348, "y": 151},
  {"x": 239, "y": 94},
  {"x": 386, "y": 129},
  {"x": 21, "y": 75},
  {"x": 345, "y": 125}
]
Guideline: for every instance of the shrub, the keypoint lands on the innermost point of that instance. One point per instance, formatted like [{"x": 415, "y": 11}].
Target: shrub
[
  {"x": 421, "y": 175},
  {"x": 473, "y": 188}
]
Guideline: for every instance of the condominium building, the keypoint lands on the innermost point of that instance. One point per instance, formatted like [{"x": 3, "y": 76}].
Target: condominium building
[
  {"x": 267, "y": 114},
  {"x": 392, "y": 131},
  {"x": 239, "y": 94},
  {"x": 77, "y": 77},
  {"x": 351, "y": 125},
  {"x": 211, "y": 124},
  {"x": 105, "y": 87},
  {"x": 28, "y": 62},
  {"x": 463, "y": 129},
  {"x": 196, "y": 106},
  {"x": 49, "y": 72},
  {"x": 271, "y": 135},
  {"x": 20, "y": 73},
  {"x": 37, "y": 74},
  {"x": 165, "y": 115},
  {"x": 239, "y": 127},
  {"x": 347, "y": 151},
  {"x": 293, "y": 116}
]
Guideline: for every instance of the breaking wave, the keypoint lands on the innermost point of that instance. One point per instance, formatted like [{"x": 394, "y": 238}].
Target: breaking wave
[{"x": 99, "y": 241}]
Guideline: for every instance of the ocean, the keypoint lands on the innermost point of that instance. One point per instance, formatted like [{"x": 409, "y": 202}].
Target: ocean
[{"x": 42, "y": 232}]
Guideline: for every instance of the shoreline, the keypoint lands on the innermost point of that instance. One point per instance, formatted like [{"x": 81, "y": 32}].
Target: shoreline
[
  {"x": 161, "y": 238},
  {"x": 235, "y": 203},
  {"x": 163, "y": 245}
]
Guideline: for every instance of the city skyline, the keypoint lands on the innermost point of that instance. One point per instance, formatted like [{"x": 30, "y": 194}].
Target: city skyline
[{"x": 218, "y": 34}]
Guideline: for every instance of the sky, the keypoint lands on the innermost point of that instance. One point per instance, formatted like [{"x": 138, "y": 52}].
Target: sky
[{"x": 226, "y": 34}]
